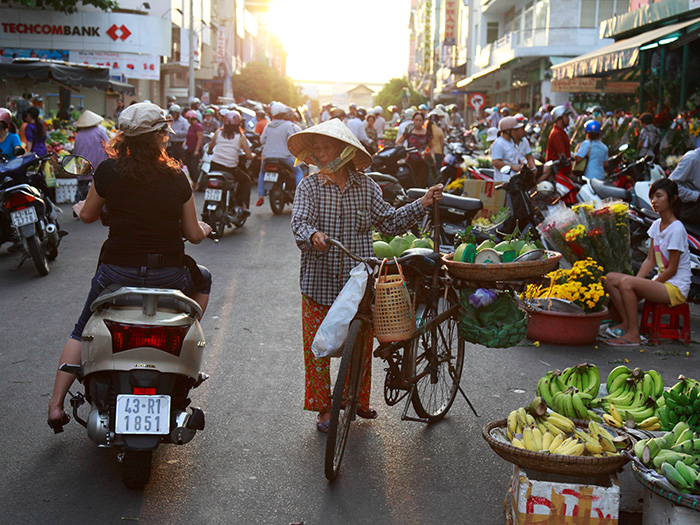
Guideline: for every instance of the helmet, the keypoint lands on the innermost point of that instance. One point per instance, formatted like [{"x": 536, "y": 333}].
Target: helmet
[
  {"x": 232, "y": 117},
  {"x": 392, "y": 108},
  {"x": 338, "y": 113},
  {"x": 361, "y": 112},
  {"x": 5, "y": 116},
  {"x": 559, "y": 112},
  {"x": 171, "y": 98},
  {"x": 277, "y": 108},
  {"x": 209, "y": 111},
  {"x": 545, "y": 187},
  {"x": 505, "y": 110},
  {"x": 595, "y": 109},
  {"x": 423, "y": 107},
  {"x": 409, "y": 113},
  {"x": 441, "y": 106},
  {"x": 378, "y": 110},
  {"x": 491, "y": 134},
  {"x": 507, "y": 123},
  {"x": 592, "y": 126},
  {"x": 195, "y": 100},
  {"x": 352, "y": 105},
  {"x": 223, "y": 112},
  {"x": 175, "y": 109},
  {"x": 190, "y": 114}
]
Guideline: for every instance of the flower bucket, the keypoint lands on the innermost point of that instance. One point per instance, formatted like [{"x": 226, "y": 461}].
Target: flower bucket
[{"x": 559, "y": 328}]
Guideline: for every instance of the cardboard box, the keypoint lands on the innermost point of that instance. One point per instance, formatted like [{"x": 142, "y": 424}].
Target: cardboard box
[
  {"x": 659, "y": 510},
  {"x": 65, "y": 190},
  {"x": 538, "y": 497},
  {"x": 485, "y": 191}
]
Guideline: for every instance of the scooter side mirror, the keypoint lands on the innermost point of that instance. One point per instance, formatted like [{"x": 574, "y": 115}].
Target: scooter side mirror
[
  {"x": 18, "y": 151},
  {"x": 76, "y": 165},
  {"x": 623, "y": 147},
  {"x": 506, "y": 169}
]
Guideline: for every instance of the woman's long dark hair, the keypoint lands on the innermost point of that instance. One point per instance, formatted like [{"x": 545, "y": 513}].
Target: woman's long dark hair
[
  {"x": 140, "y": 158},
  {"x": 229, "y": 131},
  {"x": 40, "y": 126},
  {"x": 671, "y": 188}
]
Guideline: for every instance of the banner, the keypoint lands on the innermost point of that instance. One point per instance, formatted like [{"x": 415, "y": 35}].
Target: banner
[
  {"x": 185, "y": 48},
  {"x": 129, "y": 65},
  {"x": 451, "y": 22}
]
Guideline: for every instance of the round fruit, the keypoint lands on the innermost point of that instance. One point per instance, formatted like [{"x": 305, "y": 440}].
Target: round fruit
[
  {"x": 382, "y": 250},
  {"x": 423, "y": 243},
  {"x": 399, "y": 245}
]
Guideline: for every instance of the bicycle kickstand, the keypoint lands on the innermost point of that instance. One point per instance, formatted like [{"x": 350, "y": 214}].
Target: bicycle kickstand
[
  {"x": 467, "y": 400},
  {"x": 404, "y": 414}
]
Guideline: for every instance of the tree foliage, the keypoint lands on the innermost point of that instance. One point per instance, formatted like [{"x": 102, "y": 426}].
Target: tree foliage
[
  {"x": 258, "y": 81},
  {"x": 69, "y": 6},
  {"x": 390, "y": 94}
]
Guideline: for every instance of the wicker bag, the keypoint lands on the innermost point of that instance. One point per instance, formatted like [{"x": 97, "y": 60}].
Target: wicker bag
[{"x": 394, "y": 316}]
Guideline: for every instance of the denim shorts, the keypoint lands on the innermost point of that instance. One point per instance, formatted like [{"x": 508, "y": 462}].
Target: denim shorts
[{"x": 177, "y": 278}]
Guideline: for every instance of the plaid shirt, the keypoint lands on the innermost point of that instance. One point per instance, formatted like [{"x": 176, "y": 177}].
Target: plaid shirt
[{"x": 348, "y": 216}]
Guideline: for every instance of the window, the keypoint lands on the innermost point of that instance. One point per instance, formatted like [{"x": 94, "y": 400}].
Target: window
[
  {"x": 541, "y": 15},
  {"x": 491, "y": 32},
  {"x": 622, "y": 6},
  {"x": 588, "y": 13},
  {"x": 605, "y": 10}
]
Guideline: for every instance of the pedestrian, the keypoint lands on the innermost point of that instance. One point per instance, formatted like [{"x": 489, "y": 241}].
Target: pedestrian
[
  {"x": 226, "y": 147},
  {"x": 340, "y": 202},
  {"x": 371, "y": 131},
  {"x": 558, "y": 142},
  {"x": 326, "y": 113},
  {"x": 274, "y": 141},
  {"x": 418, "y": 137},
  {"x": 193, "y": 144},
  {"x": 176, "y": 146},
  {"x": 668, "y": 252},
  {"x": 151, "y": 208},
  {"x": 594, "y": 151},
  {"x": 9, "y": 139},
  {"x": 437, "y": 142},
  {"x": 35, "y": 132},
  {"x": 687, "y": 176},
  {"x": 380, "y": 122},
  {"x": 356, "y": 123},
  {"x": 90, "y": 138},
  {"x": 457, "y": 120},
  {"x": 649, "y": 137}
]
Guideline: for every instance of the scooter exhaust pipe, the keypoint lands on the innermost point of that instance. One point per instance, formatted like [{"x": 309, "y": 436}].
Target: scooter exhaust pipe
[{"x": 52, "y": 233}]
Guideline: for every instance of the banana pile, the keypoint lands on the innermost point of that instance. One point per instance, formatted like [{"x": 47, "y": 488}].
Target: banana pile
[
  {"x": 572, "y": 391},
  {"x": 632, "y": 398},
  {"x": 535, "y": 429},
  {"x": 681, "y": 403},
  {"x": 676, "y": 455}
]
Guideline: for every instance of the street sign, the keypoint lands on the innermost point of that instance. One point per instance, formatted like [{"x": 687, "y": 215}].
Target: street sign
[{"x": 477, "y": 101}]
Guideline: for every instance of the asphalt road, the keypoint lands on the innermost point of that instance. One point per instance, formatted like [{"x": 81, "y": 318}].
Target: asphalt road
[{"x": 260, "y": 458}]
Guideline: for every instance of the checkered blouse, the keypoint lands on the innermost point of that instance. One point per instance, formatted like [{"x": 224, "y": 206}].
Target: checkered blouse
[{"x": 346, "y": 215}]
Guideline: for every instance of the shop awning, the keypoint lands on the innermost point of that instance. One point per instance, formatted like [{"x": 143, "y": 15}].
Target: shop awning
[
  {"x": 465, "y": 82},
  {"x": 64, "y": 73},
  {"x": 623, "y": 54}
]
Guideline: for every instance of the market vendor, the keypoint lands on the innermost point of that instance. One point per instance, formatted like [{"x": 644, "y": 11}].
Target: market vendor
[
  {"x": 90, "y": 138},
  {"x": 9, "y": 139},
  {"x": 668, "y": 252},
  {"x": 687, "y": 176}
]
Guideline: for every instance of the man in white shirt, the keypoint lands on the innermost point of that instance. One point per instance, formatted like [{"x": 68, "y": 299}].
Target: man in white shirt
[
  {"x": 380, "y": 123},
  {"x": 357, "y": 126},
  {"x": 510, "y": 148},
  {"x": 180, "y": 126},
  {"x": 326, "y": 114}
]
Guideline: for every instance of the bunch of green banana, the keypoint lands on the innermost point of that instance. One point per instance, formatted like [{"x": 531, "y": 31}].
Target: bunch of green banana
[
  {"x": 681, "y": 403},
  {"x": 584, "y": 377},
  {"x": 676, "y": 455},
  {"x": 631, "y": 398},
  {"x": 573, "y": 403}
]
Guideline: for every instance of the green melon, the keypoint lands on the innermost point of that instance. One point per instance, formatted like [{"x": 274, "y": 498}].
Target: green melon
[
  {"x": 399, "y": 245},
  {"x": 383, "y": 250}
]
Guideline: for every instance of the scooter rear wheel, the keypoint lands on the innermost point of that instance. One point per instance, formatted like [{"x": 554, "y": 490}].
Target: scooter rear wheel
[
  {"x": 137, "y": 468},
  {"x": 38, "y": 255},
  {"x": 276, "y": 200}
]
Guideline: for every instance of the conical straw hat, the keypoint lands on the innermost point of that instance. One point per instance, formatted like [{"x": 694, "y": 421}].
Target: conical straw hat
[
  {"x": 88, "y": 119},
  {"x": 334, "y": 128}
]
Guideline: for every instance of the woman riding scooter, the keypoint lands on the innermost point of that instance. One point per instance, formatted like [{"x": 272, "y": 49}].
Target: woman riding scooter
[{"x": 144, "y": 246}]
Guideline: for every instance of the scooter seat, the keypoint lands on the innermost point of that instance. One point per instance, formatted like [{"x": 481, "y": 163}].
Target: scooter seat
[
  {"x": 605, "y": 191},
  {"x": 381, "y": 177},
  {"x": 450, "y": 201},
  {"x": 692, "y": 229}
]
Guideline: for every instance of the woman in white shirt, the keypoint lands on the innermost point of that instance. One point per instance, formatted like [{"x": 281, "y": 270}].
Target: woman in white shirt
[
  {"x": 668, "y": 252},
  {"x": 227, "y": 144}
]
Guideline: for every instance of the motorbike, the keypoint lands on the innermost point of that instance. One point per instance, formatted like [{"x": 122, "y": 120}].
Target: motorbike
[
  {"x": 394, "y": 176},
  {"x": 27, "y": 216},
  {"x": 524, "y": 214},
  {"x": 280, "y": 184},
  {"x": 451, "y": 169},
  {"x": 222, "y": 207},
  {"x": 250, "y": 166},
  {"x": 141, "y": 356}
]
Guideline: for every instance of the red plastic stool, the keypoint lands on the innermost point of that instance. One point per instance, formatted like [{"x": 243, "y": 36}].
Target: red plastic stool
[{"x": 671, "y": 330}]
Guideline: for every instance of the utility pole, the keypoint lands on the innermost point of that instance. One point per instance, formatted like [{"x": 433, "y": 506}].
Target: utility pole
[{"x": 190, "y": 89}]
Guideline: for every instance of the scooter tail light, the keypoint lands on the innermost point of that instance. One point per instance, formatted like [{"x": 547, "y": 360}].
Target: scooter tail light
[
  {"x": 271, "y": 167},
  {"x": 140, "y": 391},
  {"x": 125, "y": 337},
  {"x": 213, "y": 183},
  {"x": 18, "y": 199}
]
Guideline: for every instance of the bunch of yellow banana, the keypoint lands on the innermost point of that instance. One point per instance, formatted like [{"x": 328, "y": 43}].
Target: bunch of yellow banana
[{"x": 632, "y": 398}]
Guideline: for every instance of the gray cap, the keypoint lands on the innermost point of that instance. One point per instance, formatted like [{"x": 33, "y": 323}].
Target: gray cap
[
  {"x": 174, "y": 108},
  {"x": 142, "y": 118}
]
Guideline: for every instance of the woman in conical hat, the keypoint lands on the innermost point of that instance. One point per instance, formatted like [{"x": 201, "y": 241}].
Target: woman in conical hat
[{"x": 340, "y": 202}]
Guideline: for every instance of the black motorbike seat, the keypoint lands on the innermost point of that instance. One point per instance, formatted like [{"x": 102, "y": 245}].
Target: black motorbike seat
[
  {"x": 136, "y": 300},
  {"x": 227, "y": 179},
  {"x": 423, "y": 260},
  {"x": 381, "y": 177},
  {"x": 605, "y": 191},
  {"x": 450, "y": 201},
  {"x": 692, "y": 229},
  {"x": 280, "y": 162}
]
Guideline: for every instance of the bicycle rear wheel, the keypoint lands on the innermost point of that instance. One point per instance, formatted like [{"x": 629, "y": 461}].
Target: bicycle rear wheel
[
  {"x": 441, "y": 370},
  {"x": 345, "y": 397}
]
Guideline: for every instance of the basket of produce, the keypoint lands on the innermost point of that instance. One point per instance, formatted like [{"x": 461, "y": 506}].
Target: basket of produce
[
  {"x": 550, "y": 442},
  {"x": 489, "y": 225},
  {"x": 668, "y": 465},
  {"x": 494, "y": 270},
  {"x": 491, "y": 319}
]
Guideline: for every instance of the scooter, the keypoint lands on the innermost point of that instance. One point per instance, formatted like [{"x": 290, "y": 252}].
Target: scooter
[
  {"x": 221, "y": 207},
  {"x": 280, "y": 184},
  {"x": 27, "y": 216}
]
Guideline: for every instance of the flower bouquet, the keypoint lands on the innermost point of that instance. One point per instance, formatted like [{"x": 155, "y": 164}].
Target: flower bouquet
[{"x": 613, "y": 218}]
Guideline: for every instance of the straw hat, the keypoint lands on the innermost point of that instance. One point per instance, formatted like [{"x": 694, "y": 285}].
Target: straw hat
[
  {"x": 88, "y": 119},
  {"x": 334, "y": 128}
]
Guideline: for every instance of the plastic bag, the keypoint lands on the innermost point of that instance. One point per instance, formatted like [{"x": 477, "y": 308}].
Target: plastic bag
[{"x": 334, "y": 328}]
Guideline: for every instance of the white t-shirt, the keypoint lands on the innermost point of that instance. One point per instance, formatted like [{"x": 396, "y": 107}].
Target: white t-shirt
[
  {"x": 227, "y": 151},
  {"x": 505, "y": 150},
  {"x": 674, "y": 237}
]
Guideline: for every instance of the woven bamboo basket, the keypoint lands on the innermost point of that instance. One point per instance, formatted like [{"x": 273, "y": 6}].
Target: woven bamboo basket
[
  {"x": 675, "y": 496},
  {"x": 502, "y": 271},
  {"x": 394, "y": 317},
  {"x": 555, "y": 463}
]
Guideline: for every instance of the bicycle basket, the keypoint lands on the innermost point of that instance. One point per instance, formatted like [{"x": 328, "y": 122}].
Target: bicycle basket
[
  {"x": 394, "y": 317},
  {"x": 504, "y": 335}
]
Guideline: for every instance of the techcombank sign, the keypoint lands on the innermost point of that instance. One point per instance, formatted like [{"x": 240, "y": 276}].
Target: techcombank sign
[{"x": 84, "y": 31}]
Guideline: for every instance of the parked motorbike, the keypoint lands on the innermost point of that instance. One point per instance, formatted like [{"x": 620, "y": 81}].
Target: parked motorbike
[
  {"x": 222, "y": 207},
  {"x": 280, "y": 184},
  {"x": 27, "y": 217},
  {"x": 394, "y": 176},
  {"x": 524, "y": 215}
]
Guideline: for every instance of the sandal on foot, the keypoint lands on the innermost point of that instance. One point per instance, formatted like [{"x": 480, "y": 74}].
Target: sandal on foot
[
  {"x": 615, "y": 333},
  {"x": 322, "y": 426},
  {"x": 367, "y": 414},
  {"x": 57, "y": 424},
  {"x": 621, "y": 341}
]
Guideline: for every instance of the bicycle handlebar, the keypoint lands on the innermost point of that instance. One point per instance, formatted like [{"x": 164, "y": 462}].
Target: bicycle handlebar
[{"x": 371, "y": 261}]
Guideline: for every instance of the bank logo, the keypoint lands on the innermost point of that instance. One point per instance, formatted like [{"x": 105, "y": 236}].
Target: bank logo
[{"x": 121, "y": 33}]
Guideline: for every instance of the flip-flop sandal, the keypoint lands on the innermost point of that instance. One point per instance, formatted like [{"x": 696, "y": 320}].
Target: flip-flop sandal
[
  {"x": 621, "y": 342},
  {"x": 367, "y": 414},
  {"x": 615, "y": 333},
  {"x": 322, "y": 427},
  {"x": 57, "y": 424}
]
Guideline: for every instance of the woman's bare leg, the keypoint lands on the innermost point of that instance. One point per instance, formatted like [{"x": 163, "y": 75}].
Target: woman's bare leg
[
  {"x": 64, "y": 380},
  {"x": 633, "y": 289},
  {"x": 612, "y": 286}
]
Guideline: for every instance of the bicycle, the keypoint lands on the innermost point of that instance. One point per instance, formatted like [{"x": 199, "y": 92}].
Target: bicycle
[{"x": 425, "y": 369}]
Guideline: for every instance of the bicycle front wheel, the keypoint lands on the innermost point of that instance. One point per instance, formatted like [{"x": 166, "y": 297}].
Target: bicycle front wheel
[
  {"x": 346, "y": 396},
  {"x": 439, "y": 357}
]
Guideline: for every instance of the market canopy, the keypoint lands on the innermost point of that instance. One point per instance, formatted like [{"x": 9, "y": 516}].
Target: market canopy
[
  {"x": 64, "y": 73},
  {"x": 623, "y": 54}
]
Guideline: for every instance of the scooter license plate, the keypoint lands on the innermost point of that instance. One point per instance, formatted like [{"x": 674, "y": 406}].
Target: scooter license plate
[
  {"x": 271, "y": 176},
  {"x": 22, "y": 217},
  {"x": 142, "y": 414},
  {"x": 212, "y": 194}
]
